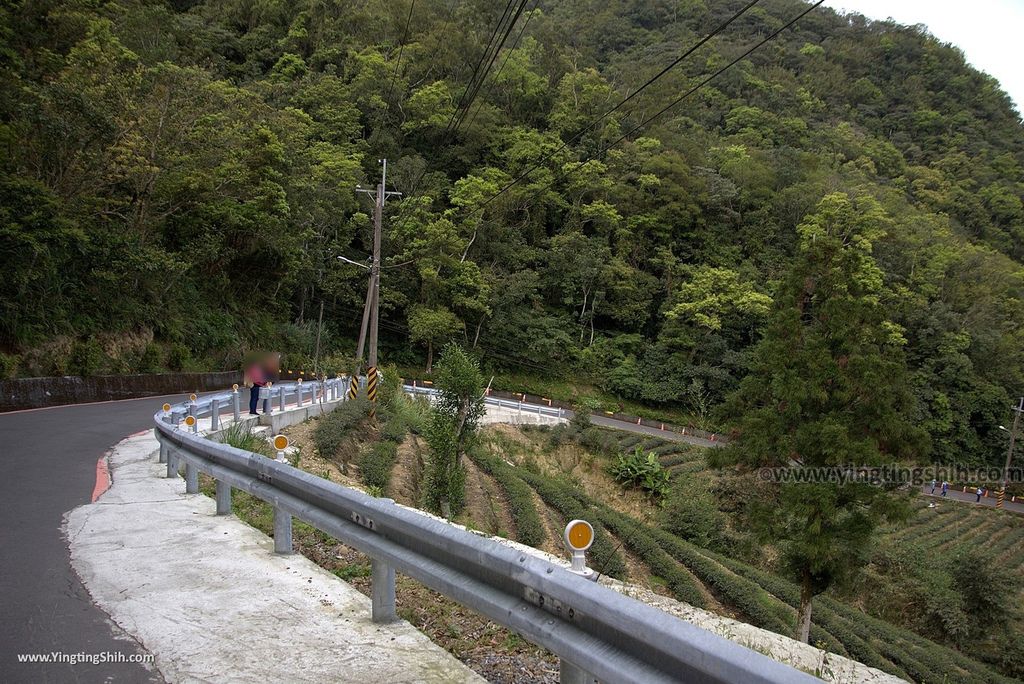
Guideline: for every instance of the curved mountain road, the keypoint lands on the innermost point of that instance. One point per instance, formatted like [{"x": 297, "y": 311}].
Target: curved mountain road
[{"x": 49, "y": 460}]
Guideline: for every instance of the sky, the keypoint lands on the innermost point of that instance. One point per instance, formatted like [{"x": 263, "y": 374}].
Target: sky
[{"x": 988, "y": 32}]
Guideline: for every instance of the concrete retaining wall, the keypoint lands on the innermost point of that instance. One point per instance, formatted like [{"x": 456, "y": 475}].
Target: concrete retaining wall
[{"x": 22, "y": 393}]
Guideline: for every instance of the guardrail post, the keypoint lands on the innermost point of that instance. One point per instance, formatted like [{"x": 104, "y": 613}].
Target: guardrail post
[
  {"x": 191, "y": 479},
  {"x": 223, "y": 498},
  {"x": 214, "y": 414},
  {"x": 282, "y": 391},
  {"x": 282, "y": 532},
  {"x": 298, "y": 391},
  {"x": 172, "y": 465},
  {"x": 570, "y": 674},
  {"x": 236, "y": 408},
  {"x": 163, "y": 447},
  {"x": 192, "y": 412},
  {"x": 383, "y": 592}
]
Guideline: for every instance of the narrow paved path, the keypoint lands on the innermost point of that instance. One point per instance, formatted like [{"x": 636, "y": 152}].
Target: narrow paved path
[
  {"x": 49, "y": 466},
  {"x": 971, "y": 498},
  {"x": 604, "y": 421}
]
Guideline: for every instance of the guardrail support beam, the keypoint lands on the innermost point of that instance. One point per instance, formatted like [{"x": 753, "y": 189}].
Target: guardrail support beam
[
  {"x": 191, "y": 479},
  {"x": 383, "y": 594},
  {"x": 214, "y": 414},
  {"x": 282, "y": 532},
  {"x": 223, "y": 498}
]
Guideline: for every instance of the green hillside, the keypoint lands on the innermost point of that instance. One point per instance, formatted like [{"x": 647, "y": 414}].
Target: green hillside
[{"x": 178, "y": 178}]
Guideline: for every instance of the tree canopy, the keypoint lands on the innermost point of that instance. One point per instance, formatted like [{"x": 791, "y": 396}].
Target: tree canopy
[{"x": 178, "y": 179}]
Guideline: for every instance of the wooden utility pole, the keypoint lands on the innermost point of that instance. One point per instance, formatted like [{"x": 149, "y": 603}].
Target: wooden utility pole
[{"x": 1009, "y": 452}]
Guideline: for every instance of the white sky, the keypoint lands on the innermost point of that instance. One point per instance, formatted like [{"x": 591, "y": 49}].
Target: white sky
[{"x": 989, "y": 32}]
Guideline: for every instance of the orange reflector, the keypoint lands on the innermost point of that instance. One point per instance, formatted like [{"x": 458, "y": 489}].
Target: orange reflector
[
  {"x": 579, "y": 535},
  {"x": 190, "y": 420},
  {"x": 166, "y": 407},
  {"x": 191, "y": 397},
  {"x": 235, "y": 387},
  {"x": 280, "y": 442},
  {"x": 270, "y": 384}
]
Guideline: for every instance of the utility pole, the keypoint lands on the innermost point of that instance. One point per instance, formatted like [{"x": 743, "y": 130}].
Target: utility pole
[
  {"x": 371, "y": 309},
  {"x": 1009, "y": 452}
]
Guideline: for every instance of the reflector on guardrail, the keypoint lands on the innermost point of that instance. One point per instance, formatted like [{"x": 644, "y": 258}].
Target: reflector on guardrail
[
  {"x": 579, "y": 535},
  {"x": 166, "y": 407}
]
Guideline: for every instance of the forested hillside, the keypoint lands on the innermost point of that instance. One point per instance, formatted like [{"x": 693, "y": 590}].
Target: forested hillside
[{"x": 178, "y": 178}]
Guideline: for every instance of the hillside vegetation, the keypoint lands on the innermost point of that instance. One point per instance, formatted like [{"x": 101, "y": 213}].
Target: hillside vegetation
[
  {"x": 923, "y": 609},
  {"x": 178, "y": 178}
]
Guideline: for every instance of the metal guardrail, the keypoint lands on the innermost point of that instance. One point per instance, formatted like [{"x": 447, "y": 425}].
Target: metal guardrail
[
  {"x": 521, "y": 406},
  {"x": 597, "y": 633}
]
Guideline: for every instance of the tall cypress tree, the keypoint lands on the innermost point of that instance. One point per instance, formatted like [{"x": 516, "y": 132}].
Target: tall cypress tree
[{"x": 827, "y": 388}]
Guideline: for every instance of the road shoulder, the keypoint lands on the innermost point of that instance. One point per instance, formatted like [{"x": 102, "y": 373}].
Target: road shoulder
[{"x": 209, "y": 598}]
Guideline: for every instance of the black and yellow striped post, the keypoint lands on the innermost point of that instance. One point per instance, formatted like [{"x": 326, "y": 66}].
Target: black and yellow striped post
[
  {"x": 353, "y": 386},
  {"x": 371, "y": 388},
  {"x": 999, "y": 498}
]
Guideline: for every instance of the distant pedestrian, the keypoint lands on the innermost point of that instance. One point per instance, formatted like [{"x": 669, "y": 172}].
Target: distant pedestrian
[
  {"x": 945, "y": 487},
  {"x": 934, "y": 485},
  {"x": 978, "y": 492},
  {"x": 255, "y": 378}
]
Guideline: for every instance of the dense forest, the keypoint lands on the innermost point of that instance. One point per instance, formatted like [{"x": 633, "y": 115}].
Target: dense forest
[{"x": 179, "y": 177}]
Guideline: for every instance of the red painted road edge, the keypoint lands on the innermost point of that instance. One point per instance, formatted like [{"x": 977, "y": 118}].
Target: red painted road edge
[{"x": 102, "y": 478}]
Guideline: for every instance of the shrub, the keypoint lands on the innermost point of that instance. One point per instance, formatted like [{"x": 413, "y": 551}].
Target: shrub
[
  {"x": 565, "y": 499},
  {"x": 151, "y": 359},
  {"x": 8, "y": 366},
  {"x": 376, "y": 463},
  {"x": 639, "y": 541},
  {"x": 86, "y": 357},
  {"x": 529, "y": 528},
  {"x": 451, "y": 430},
  {"x": 332, "y": 428},
  {"x": 178, "y": 357},
  {"x": 760, "y": 607},
  {"x": 643, "y": 471},
  {"x": 691, "y": 514},
  {"x": 241, "y": 436},
  {"x": 598, "y": 440},
  {"x": 581, "y": 415}
]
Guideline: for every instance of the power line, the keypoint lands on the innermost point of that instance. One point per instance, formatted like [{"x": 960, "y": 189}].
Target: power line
[
  {"x": 398, "y": 63},
  {"x": 654, "y": 116},
  {"x": 494, "y": 56},
  {"x": 508, "y": 55},
  {"x": 713, "y": 76},
  {"x": 476, "y": 69},
  {"x": 506, "y": 355},
  {"x": 696, "y": 46}
]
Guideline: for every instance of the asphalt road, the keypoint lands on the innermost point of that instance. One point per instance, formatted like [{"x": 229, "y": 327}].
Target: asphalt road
[
  {"x": 971, "y": 498},
  {"x": 49, "y": 462}
]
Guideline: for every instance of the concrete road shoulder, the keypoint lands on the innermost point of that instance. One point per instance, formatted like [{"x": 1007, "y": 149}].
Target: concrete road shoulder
[{"x": 207, "y": 596}]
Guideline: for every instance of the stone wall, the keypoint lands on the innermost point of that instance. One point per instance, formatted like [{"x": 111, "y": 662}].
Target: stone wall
[{"x": 22, "y": 393}]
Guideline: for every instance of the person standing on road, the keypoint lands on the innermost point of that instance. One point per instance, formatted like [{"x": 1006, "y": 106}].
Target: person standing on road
[
  {"x": 934, "y": 484},
  {"x": 945, "y": 487},
  {"x": 978, "y": 493},
  {"x": 256, "y": 378}
]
